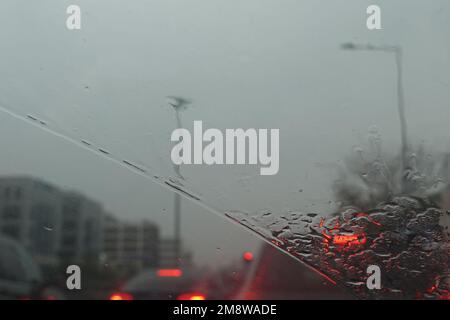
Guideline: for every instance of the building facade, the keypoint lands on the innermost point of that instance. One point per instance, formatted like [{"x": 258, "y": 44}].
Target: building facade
[
  {"x": 65, "y": 227},
  {"x": 81, "y": 229},
  {"x": 130, "y": 245},
  {"x": 30, "y": 212}
]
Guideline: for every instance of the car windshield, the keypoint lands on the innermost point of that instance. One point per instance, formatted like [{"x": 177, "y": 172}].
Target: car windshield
[{"x": 212, "y": 136}]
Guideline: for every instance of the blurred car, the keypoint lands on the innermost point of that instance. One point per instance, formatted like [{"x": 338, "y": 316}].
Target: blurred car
[
  {"x": 167, "y": 284},
  {"x": 20, "y": 277}
]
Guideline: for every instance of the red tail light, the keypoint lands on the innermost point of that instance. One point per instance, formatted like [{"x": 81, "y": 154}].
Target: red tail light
[
  {"x": 248, "y": 256},
  {"x": 120, "y": 296},
  {"x": 169, "y": 273},
  {"x": 349, "y": 239},
  {"x": 191, "y": 296}
]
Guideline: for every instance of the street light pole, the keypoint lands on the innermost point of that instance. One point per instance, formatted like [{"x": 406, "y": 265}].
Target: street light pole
[
  {"x": 397, "y": 50},
  {"x": 177, "y": 104},
  {"x": 177, "y": 206}
]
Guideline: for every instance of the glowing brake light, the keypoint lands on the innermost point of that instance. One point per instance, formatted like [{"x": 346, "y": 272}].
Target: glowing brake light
[
  {"x": 169, "y": 273},
  {"x": 121, "y": 296},
  {"x": 191, "y": 296},
  {"x": 349, "y": 239},
  {"x": 248, "y": 256}
]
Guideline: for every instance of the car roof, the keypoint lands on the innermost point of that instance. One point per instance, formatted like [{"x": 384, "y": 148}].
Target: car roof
[{"x": 148, "y": 280}]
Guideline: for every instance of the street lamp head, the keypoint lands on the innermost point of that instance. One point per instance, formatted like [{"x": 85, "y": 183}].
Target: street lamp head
[{"x": 178, "y": 103}]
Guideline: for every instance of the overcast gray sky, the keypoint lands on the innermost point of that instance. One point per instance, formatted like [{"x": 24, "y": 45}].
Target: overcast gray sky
[{"x": 253, "y": 63}]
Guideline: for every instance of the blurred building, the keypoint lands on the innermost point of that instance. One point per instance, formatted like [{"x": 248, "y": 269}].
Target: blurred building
[
  {"x": 129, "y": 245},
  {"x": 66, "y": 227},
  {"x": 81, "y": 229},
  {"x": 30, "y": 213},
  {"x": 111, "y": 250},
  {"x": 168, "y": 254}
]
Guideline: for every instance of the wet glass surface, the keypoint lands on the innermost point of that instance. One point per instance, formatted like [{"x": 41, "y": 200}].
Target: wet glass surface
[{"x": 93, "y": 111}]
